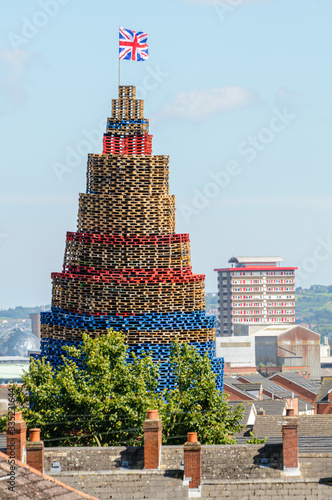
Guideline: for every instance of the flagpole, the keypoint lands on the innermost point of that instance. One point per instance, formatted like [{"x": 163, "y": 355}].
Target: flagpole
[{"x": 119, "y": 61}]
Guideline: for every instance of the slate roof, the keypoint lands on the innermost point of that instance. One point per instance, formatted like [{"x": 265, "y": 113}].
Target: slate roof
[
  {"x": 276, "y": 389},
  {"x": 309, "y": 385},
  {"x": 30, "y": 483},
  {"x": 268, "y": 385},
  {"x": 324, "y": 391},
  {"x": 309, "y": 425},
  {"x": 232, "y": 382},
  {"x": 270, "y": 406},
  {"x": 247, "y": 387}
]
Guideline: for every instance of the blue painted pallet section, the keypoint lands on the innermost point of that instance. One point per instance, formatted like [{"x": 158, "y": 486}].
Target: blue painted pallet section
[
  {"x": 121, "y": 123},
  {"x": 52, "y": 349},
  {"x": 195, "y": 320}
]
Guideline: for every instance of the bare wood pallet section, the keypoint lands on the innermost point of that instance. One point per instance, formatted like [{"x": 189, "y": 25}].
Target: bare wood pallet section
[{"x": 125, "y": 266}]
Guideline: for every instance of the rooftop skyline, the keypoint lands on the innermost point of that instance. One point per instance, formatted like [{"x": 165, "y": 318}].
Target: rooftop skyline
[{"x": 239, "y": 97}]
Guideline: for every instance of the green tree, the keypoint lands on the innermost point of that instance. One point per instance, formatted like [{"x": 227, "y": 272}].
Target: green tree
[
  {"x": 105, "y": 401},
  {"x": 195, "y": 405},
  {"x": 255, "y": 440}
]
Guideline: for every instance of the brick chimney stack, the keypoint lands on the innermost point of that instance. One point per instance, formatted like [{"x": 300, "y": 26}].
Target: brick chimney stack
[
  {"x": 152, "y": 428},
  {"x": 261, "y": 412},
  {"x": 290, "y": 443},
  {"x": 192, "y": 460},
  {"x": 16, "y": 430},
  {"x": 35, "y": 450}
]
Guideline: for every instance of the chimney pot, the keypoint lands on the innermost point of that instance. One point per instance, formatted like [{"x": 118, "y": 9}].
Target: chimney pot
[
  {"x": 152, "y": 415},
  {"x": 192, "y": 437},
  {"x": 18, "y": 416},
  {"x": 34, "y": 435}
]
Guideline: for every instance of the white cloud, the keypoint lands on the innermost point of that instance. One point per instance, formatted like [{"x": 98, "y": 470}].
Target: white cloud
[
  {"x": 15, "y": 65},
  {"x": 199, "y": 104}
]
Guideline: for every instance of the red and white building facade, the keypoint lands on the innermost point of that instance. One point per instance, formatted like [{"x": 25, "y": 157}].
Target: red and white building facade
[{"x": 255, "y": 291}]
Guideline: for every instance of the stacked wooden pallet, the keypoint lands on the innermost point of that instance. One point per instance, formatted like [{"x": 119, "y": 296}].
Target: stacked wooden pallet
[{"x": 125, "y": 268}]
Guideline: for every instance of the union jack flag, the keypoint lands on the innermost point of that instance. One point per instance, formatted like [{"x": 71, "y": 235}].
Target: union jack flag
[{"x": 133, "y": 45}]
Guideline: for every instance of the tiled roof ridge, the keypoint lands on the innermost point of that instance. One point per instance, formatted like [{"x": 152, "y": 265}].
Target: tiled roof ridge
[{"x": 48, "y": 478}]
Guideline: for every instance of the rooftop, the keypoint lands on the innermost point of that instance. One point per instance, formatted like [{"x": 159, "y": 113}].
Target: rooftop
[
  {"x": 271, "y": 407},
  {"x": 29, "y": 483},
  {"x": 255, "y": 260},
  {"x": 231, "y": 382},
  {"x": 303, "y": 382},
  {"x": 268, "y": 385},
  {"x": 309, "y": 425},
  {"x": 325, "y": 389}
]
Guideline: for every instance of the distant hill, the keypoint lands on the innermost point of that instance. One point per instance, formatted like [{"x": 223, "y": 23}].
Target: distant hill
[
  {"x": 313, "y": 307},
  {"x": 22, "y": 312}
]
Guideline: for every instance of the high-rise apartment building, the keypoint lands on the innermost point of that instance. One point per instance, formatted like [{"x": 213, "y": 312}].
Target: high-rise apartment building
[{"x": 255, "y": 291}]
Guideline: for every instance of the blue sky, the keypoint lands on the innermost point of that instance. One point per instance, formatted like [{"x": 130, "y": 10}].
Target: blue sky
[{"x": 238, "y": 94}]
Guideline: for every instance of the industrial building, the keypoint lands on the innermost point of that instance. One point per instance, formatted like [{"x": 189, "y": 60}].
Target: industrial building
[
  {"x": 276, "y": 347},
  {"x": 255, "y": 290}
]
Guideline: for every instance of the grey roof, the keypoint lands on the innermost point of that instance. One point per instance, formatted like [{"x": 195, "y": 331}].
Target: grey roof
[
  {"x": 309, "y": 425},
  {"x": 271, "y": 407},
  {"x": 268, "y": 385},
  {"x": 255, "y": 260},
  {"x": 232, "y": 382},
  {"x": 307, "y": 384},
  {"x": 31, "y": 484},
  {"x": 248, "y": 387},
  {"x": 325, "y": 389},
  {"x": 276, "y": 390}
]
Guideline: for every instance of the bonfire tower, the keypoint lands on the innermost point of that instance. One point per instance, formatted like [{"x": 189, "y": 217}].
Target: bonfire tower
[{"x": 125, "y": 268}]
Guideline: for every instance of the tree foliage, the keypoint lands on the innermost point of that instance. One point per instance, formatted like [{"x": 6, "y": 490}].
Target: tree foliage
[
  {"x": 195, "y": 405},
  {"x": 105, "y": 402}
]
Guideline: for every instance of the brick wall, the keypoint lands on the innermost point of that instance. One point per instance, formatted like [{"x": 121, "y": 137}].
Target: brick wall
[
  {"x": 192, "y": 463},
  {"x": 35, "y": 455},
  {"x": 290, "y": 443}
]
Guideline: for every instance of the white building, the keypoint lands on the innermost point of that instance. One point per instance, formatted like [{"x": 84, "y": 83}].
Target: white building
[{"x": 255, "y": 291}]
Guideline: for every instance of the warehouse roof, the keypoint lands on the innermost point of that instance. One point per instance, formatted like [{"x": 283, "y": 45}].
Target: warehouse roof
[{"x": 255, "y": 260}]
